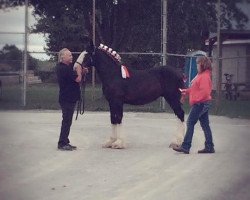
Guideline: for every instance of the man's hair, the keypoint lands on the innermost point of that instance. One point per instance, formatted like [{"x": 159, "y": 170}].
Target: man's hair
[
  {"x": 61, "y": 54},
  {"x": 205, "y": 63}
]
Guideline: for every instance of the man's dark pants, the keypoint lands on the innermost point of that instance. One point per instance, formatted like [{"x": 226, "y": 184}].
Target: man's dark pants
[{"x": 67, "y": 115}]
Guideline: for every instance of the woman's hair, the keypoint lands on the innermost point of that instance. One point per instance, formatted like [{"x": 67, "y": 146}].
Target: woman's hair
[
  {"x": 61, "y": 54},
  {"x": 205, "y": 63}
]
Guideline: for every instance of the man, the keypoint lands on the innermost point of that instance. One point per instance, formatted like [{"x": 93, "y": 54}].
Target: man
[{"x": 69, "y": 78}]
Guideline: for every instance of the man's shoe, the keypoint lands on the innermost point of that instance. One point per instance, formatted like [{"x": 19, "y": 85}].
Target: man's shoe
[
  {"x": 181, "y": 149},
  {"x": 65, "y": 148},
  {"x": 207, "y": 151},
  {"x": 73, "y": 147}
]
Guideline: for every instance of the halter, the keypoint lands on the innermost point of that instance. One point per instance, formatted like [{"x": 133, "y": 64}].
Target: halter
[{"x": 81, "y": 102}]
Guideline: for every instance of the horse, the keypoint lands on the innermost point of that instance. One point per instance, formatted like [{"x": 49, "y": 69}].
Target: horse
[{"x": 138, "y": 88}]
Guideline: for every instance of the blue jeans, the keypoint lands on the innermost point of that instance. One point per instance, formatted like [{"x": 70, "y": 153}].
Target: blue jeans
[{"x": 199, "y": 112}]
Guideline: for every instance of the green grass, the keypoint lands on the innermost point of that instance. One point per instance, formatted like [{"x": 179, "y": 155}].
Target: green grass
[{"x": 45, "y": 96}]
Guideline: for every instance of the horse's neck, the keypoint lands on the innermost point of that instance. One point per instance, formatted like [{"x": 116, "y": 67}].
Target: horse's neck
[
  {"x": 106, "y": 75},
  {"x": 107, "y": 71}
]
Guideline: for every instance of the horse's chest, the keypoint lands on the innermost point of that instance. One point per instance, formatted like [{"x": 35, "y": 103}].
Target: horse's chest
[{"x": 113, "y": 90}]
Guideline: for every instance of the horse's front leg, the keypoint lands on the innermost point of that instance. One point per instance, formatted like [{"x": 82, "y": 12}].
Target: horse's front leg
[
  {"x": 116, "y": 140},
  {"x": 112, "y": 138}
]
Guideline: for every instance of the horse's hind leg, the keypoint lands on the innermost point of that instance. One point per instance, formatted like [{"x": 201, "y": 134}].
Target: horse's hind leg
[
  {"x": 176, "y": 106},
  {"x": 178, "y": 136}
]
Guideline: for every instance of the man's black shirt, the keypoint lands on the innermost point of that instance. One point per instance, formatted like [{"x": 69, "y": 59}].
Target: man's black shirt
[{"x": 69, "y": 89}]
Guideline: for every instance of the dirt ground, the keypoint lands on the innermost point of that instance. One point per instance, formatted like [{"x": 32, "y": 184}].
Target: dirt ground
[{"x": 31, "y": 167}]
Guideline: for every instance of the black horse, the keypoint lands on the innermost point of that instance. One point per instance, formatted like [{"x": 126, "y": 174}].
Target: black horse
[{"x": 142, "y": 87}]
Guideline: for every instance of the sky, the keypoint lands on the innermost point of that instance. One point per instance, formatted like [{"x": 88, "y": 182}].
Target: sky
[{"x": 14, "y": 19}]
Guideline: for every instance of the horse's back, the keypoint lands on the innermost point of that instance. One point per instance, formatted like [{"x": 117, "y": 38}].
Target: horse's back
[{"x": 170, "y": 77}]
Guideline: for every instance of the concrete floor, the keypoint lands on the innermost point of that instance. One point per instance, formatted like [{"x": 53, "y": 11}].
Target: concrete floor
[{"x": 31, "y": 167}]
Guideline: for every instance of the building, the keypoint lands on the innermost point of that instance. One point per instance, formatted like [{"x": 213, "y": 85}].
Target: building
[{"x": 235, "y": 48}]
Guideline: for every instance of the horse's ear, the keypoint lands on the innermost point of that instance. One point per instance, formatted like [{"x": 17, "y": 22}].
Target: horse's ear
[{"x": 88, "y": 44}]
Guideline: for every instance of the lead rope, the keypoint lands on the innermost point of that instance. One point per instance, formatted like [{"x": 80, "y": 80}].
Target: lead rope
[{"x": 81, "y": 101}]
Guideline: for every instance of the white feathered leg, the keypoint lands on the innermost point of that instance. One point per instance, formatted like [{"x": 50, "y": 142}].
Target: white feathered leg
[
  {"x": 179, "y": 134},
  {"x": 113, "y": 137},
  {"x": 120, "y": 142}
]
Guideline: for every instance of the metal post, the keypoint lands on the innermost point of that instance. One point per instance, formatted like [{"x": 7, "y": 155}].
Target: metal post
[
  {"x": 218, "y": 56},
  {"x": 25, "y": 56},
  {"x": 164, "y": 33},
  {"x": 93, "y": 38},
  {"x": 164, "y": 41}
]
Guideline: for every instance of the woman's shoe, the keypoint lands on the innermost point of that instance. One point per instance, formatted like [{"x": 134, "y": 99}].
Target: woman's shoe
[
  {"x": 65, "y": 148},
  {"x": 207, "y": 150},
  {"x": 73, "y": 147},
  {"x": 181, "y": 149}
]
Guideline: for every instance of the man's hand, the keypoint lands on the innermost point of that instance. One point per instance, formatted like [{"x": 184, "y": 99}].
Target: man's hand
[{"x": 85, "y": 70}]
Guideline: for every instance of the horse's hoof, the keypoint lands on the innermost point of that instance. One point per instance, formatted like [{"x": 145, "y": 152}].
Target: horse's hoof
[
  {"x": 109, "y": 143},
  {"x": 172, "y": 145},
  {"x": 118, "y": 144},
  {"x": 115, "y": 146}
]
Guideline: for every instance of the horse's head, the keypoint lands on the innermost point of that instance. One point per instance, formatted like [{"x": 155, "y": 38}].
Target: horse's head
[
  {"x": 88, "y": 45},
  {"x": 89, "y": 48}
]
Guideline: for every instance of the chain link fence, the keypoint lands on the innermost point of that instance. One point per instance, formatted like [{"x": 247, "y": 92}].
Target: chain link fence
[{"x": 42, "y": 88}]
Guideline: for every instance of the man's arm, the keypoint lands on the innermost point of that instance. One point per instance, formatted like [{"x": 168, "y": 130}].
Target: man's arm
[{"x": 78, "y": 66}]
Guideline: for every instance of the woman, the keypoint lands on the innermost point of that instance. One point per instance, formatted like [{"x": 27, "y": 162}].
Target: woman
[{"x": 200, "y": 101}]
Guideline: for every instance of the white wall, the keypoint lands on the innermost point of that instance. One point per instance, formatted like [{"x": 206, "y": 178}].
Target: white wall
[{"x": 235, "y": 66}]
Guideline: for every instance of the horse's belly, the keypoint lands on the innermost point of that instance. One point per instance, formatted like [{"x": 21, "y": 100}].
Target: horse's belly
[
  {"x": 143, "y": 95},
  {"x": 140, "y": 101}
]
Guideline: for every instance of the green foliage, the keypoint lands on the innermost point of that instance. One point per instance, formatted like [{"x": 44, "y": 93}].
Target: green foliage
[
  {"x": 45, "y": 96},
  {"x": 131, "y": 25},
  {"x": 47, "y": 76},
  {"x": 11, "y": 56}
]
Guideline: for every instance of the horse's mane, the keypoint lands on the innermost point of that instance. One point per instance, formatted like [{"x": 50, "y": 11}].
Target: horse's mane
[
  {"x": 166, "y": 70},
  {"x": 111, "y": 53}
]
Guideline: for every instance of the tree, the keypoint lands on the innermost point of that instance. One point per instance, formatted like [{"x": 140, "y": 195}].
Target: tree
[
  {"x": 191, "y": 20},
  {"x": 130, "y": 25},
  {"x": 11, "y": 56}
]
